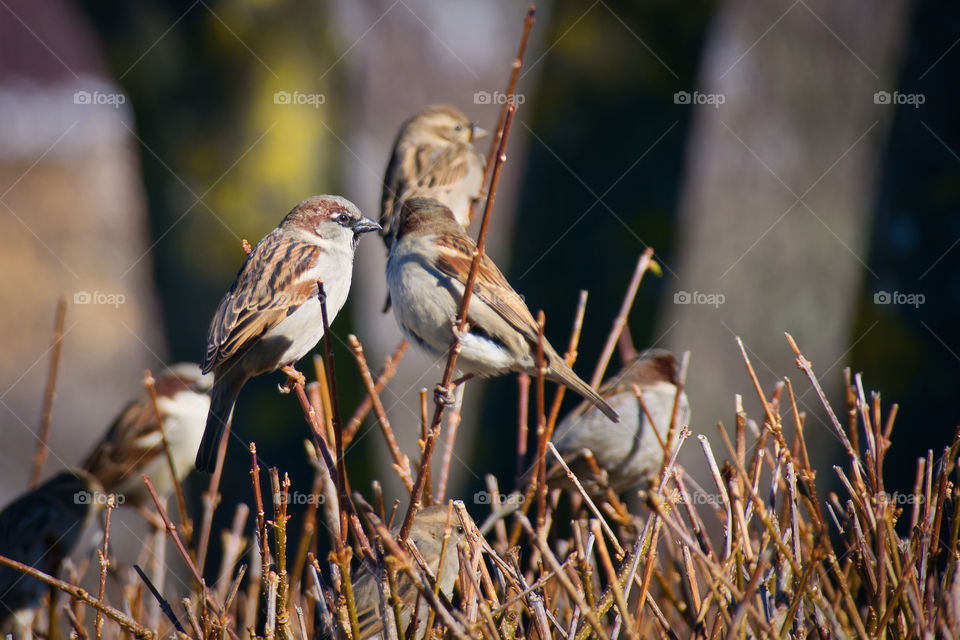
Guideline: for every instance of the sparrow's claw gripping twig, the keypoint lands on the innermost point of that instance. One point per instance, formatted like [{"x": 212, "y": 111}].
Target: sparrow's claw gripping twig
[
  {"x": 445, "y": 395},
  {"x": 455, "y": 328},
  {"x": 294, "y": 378}
]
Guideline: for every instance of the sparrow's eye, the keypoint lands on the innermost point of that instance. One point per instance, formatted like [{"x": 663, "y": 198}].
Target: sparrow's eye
[
  {"x": 459, "y": 127},
  {"x": 460, "y": 530},
  {"x": 341, "y": 218}
]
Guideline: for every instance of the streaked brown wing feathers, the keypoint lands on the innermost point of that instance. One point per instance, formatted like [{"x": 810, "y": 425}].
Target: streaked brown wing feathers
[
  {"x": 440, "y": 167},
  {"x": 108, "y": 461},
  {"x": 491, "y": 286},
  {"x": 263, "y": 294}
]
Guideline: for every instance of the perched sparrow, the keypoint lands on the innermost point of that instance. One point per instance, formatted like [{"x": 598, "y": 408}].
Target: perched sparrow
[
  {"x": 40, "y": 529},
  {"x": 432, "y": 158},
  {"x": 133, "y": 445},
  {"x": 271, "y": 316},
  {"x": 629, "y": 451},
  {"x": 427, "y": 534},
  {"x": 427, "y": 271}
]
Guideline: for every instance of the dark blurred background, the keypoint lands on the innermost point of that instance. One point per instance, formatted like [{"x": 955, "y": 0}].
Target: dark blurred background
[{"x": 796, "y": 166}]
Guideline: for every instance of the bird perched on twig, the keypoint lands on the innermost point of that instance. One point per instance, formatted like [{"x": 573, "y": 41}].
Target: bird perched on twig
[
  {"x": 426, "y": 534},
  {"x": 433, "y": 157},
  {"x": 271, "y": 315},
  {"x": 133, "y": 445},
  {"x": 40, "y": 529},
  {"x": 427, "y": 272},
  {"x": 629, "y": 451},
  {"x": 625, "y": 453}
]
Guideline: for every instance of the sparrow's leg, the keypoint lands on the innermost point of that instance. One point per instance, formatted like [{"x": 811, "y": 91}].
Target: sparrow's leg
[
  {"x": 294, "y": 378},
  {"x": 445, "y": 395},
  {"x": 448, "y": 395}
]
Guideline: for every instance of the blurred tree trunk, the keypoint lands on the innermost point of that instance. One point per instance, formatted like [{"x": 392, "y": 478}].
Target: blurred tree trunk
[
  {"x": 776, "y": 208},
  {"x": 73, "y": 223},
  {"x": 416, "y": 56}
]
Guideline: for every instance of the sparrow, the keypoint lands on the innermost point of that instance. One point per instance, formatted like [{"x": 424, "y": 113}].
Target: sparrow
[
  {"x": 626, "y": 453},
  {"x": 271, "y": 315},
  {"x": 432, "y": 157},
  {"x": 40, "y": 529},
  {"x": 133, "y": 444},
  {"x": 426, "y": 272},
  {"x": 629, "y": 451},
  {"x": 426, "y": 533}
]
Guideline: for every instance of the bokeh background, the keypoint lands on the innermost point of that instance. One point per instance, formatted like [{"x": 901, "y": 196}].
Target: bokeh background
[{"x": 795, "y": 164}]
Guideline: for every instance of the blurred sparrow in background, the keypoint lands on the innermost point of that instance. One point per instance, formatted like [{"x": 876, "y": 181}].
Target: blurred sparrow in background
[
  {"x": 133, "y": 445},
  {"x": 433, "y": 158},
  {"x": 40, "y": 529},
  {"x": 427, "y": 534},
  {"x": 629, "y": 451},
  {"x": 271, "y": 315},
  {"x": 427, "y": 271}
]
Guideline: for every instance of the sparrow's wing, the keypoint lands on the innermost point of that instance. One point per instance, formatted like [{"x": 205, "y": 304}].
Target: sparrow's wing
[
  {"x": 491, "y": 286},
  {"x": 131, "y": 438},
  {"x": 367, "y": 599},
  {"x": 439, "y": 167},
  {"x": 268, "y": 288}
]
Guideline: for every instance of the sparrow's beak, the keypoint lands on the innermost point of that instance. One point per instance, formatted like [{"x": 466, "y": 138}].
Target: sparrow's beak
[
  {"x": 363, "y": 225},
  {"x": 477, "y": 132}
]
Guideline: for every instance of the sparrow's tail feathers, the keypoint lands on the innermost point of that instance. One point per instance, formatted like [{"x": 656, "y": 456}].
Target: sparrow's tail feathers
[
  {"x": 572, "y": 381},
  {"x": 224, "y": 396}
]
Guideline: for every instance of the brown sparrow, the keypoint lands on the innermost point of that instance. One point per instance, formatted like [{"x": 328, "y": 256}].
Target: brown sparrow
[
  {"x": 271, "y": 315},
  {"x": 433, "y": 158},
  {"x": 626, "y": 453},
  {"x": 40, "y": 529},
  {"x": 630, "y": 451},
  {"x": 426, "y": 533},
  {"x": 133, "y": 445},
  {"x": 426, "y": 272}
]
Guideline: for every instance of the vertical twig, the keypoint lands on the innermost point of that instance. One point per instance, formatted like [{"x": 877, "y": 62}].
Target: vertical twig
[
  {"x": 211, "y": 499},
  {"x": 343, "y": 489},
  {"x": 499, "y": 132},
  {"x": 104, "y": 557},
  {"x": 185, "y": 523},
  {"x": 643, "y": 263},
  {"x": 49, "y": 394},
  {"x": 541, "y": 431}
]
